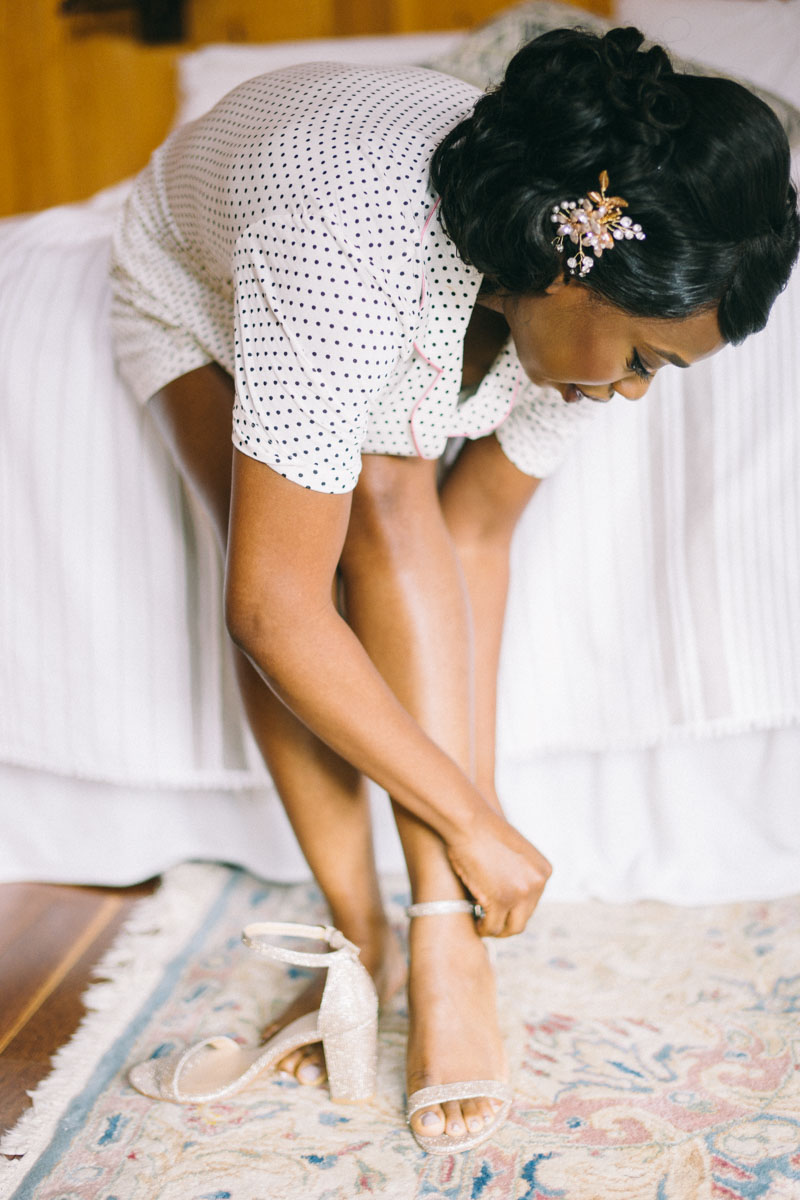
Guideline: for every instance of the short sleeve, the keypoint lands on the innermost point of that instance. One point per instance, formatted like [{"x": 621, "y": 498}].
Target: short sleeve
[
  {"x": 317, "y": 338},
  {"x": 541, "y": 428}
]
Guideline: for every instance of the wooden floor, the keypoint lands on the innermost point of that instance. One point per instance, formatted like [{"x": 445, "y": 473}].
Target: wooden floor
[{"x": 50, "y": 939}]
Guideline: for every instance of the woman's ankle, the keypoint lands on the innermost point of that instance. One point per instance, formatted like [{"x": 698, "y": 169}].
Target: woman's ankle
[{"x": 364, "y": 928}]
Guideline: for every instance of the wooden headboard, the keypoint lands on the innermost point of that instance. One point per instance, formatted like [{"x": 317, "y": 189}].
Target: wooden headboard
[{"x": 83, "y": 101}]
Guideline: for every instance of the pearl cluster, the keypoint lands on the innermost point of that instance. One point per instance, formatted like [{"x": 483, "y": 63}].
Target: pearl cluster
[{"x": 595, "y": 221}]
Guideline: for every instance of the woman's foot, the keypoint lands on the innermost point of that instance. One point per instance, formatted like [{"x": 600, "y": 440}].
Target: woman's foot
[
  {"x": 382, "y": 956},
  {"x": 453, "y": 1033}
]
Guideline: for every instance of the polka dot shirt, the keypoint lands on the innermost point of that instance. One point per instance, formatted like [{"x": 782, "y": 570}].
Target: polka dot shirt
[{"x": 291, "y": 235}]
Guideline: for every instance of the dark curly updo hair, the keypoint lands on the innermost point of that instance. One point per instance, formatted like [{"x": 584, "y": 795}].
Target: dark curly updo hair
[{"x": 703, "y": 163}]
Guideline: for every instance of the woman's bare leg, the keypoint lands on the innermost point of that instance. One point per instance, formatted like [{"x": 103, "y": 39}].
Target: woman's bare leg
[
  {"x": 407, "y": 601},
  {"x": 482, "y": 498},
  {"x": 324, "y": 797},
  {"x": 328, "y": 807}
]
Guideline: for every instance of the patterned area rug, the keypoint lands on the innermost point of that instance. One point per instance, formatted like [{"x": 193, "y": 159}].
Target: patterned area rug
[{"x": 657, "y": 1052}]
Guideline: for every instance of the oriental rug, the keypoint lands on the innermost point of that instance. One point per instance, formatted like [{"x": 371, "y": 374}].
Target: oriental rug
[{"x": 656, "y": 1052}]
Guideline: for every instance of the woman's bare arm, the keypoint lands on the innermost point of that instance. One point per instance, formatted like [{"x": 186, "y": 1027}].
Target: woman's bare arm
[{"x": 284, "y": 546}]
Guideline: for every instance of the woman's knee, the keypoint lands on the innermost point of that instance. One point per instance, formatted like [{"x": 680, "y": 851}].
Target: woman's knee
[
  {"x": 395, "y": 502},
  {"x": 193, "y": 414}
]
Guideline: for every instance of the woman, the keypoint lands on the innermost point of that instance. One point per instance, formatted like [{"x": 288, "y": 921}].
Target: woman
[{"x": 320, "y": 264}]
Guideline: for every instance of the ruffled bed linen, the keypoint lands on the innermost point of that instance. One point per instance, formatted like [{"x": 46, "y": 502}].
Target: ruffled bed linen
[
  {"x": 650, "y": 685},
  {"x": 693, "y": 822}
]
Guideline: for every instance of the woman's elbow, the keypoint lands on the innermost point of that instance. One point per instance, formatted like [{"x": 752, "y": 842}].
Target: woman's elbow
[
  {"x": 271, "y": 624},
  {"x": 243, "y": 622},
  {"x": 253, "y": 620}
]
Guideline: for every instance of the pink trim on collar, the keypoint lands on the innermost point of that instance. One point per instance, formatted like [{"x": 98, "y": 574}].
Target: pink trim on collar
[
  {"x": 428, "y": 219},
  {"x": 434, "y": 366},
  {"x": 424, "y": 395},
  {"x": 491, "y": 428}
]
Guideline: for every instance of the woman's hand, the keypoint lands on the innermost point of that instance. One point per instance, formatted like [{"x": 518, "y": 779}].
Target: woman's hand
[{"x": 502, "y": 871}]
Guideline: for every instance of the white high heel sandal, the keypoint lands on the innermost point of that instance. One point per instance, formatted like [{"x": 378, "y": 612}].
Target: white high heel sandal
[
  {"x": 471, "y": 1089},
  {"x": 345, "y": 1022}
]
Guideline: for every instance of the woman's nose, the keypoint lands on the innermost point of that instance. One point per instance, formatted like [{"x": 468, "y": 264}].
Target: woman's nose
[{"x": 632, "y": 387}]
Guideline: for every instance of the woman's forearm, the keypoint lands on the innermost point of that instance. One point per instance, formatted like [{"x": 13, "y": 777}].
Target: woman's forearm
[
  {"x": 318, "y": 667},
  {"x": 321, "y": 671}
]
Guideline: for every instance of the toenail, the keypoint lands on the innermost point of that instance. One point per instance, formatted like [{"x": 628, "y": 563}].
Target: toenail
[
  {"x": 429, "y": 1118},
  {"x": 456, "y": 1127},
  {"x": 474, "y": 1124},
  {"x": 309, "y": 1072}
]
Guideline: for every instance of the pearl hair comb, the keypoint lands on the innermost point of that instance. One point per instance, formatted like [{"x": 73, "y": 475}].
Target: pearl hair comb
[{"x": 594, "y": 221}]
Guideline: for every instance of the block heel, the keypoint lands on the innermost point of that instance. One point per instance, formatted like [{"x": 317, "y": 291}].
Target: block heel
[{"x": 350, "y": 1061}]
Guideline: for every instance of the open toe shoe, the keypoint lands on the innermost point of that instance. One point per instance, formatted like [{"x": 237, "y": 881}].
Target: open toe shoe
[
  {"x": 345, "y": 1023},
  {"x": 493, "y": 1089}
]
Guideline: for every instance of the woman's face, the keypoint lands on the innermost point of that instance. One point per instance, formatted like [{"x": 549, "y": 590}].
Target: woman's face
[{"x": 570, "y": 339}]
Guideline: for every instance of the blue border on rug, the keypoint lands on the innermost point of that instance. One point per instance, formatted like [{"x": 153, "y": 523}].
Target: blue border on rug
[{"x": 76, "y": 1112}]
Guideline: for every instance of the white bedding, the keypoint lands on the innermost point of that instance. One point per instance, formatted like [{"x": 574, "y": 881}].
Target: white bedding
[{"x": 655, "y": 603}]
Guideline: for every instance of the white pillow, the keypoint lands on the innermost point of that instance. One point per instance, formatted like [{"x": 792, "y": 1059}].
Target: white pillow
[
  {"x": 482, "y": 55},
  {"x": 206, "y": 75},
  {"x": 756, "y": 39}
]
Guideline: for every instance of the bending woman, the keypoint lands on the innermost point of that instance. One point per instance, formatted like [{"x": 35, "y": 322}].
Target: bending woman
[{"x": 318, "y": 266}]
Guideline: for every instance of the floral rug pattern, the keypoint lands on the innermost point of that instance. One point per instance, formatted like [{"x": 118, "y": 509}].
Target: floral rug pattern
[{"x": 657, "y": 1054}]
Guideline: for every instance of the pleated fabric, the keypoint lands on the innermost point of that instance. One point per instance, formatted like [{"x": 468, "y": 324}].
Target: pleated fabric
[
  {"x": 657, "y": 575},
  {"x": 113, "y": 657}
]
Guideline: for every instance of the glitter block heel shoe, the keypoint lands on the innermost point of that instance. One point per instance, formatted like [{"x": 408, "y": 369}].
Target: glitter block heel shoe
[
  {"x": 468, "y": 1089},
  {"x": 345, "y": 1022}
]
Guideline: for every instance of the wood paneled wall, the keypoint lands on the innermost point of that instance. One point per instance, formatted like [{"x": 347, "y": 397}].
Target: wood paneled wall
[{"x": 83, "y": 103}]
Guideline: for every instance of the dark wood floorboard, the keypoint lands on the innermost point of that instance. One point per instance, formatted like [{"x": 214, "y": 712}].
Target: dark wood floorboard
[{"x": 51, "y": 937}]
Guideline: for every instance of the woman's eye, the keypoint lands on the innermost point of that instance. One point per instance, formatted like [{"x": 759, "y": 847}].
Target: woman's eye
[{"x": 637, "y": 366}]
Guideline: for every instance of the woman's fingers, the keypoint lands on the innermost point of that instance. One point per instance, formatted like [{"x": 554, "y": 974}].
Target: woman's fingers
[
  {"x": 502, "y": 920},
  {"x": 511, "y": 921},
  {"x": 518, "y": 918},
  {"x": 505, "y": 874}
]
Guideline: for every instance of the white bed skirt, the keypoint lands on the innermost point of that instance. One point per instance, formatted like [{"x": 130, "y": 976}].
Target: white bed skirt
[{"x": 694, "y": 822}]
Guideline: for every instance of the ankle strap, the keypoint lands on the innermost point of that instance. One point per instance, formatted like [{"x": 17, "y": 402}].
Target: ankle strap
[
  {"x": 252, "y": 936},
  {"x": 435, "y": 908}
]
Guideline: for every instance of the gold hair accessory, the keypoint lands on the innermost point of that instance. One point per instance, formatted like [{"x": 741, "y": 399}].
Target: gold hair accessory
[{"x": 595, "y": 221}]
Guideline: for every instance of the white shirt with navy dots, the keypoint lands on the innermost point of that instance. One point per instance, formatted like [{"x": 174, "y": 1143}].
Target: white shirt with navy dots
[{"x": 291, "y": 235}]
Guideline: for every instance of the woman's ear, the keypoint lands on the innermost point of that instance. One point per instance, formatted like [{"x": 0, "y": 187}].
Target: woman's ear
[
  {"x": 494, "y": 300},
  {"x": 558, "y": 285}
]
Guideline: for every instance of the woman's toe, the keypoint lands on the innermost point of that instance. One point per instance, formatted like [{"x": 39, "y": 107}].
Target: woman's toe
[
  {"x": 454, "y": 1119},
  {"x": 474, "y": 1115},
  {"x": 428, "y": 1122},
  {"x": 289, "y": 1065},
  {"x": 311, "y": 1068},
  {"x": 489, "y": 1109}
]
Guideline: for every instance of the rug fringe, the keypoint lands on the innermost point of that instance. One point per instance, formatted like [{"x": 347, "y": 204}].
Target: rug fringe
[{"x": 122, "y": 978}]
